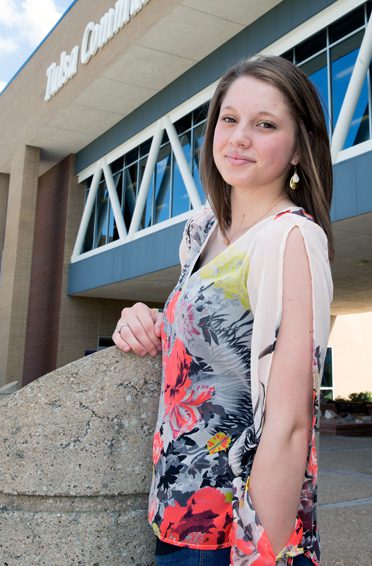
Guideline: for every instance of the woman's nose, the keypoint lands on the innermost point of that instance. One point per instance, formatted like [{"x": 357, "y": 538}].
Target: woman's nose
[{"x": 240, "y": 136}]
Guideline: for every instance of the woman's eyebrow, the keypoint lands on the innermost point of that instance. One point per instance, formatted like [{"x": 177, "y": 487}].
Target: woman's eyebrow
[
  {"x": 260, "y": 113},
  {"x": 266, "y": 113}
]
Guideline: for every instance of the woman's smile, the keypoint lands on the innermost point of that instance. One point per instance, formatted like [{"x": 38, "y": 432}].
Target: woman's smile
[
  {"x": 254, "y": 140},
  {"x": 238, "y": 160}
]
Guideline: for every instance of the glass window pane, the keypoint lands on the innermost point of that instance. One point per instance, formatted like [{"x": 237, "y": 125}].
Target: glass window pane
[
  {"x": 117, "y": 165},
  {"x": 149, "y": 219},
  {"x": 288, "y": 55},
  {"x": 352, "y": 21},
  {"x": 183, "y": 124},
  {"x": 343, "y": 58},
  {"x": 369, "y": 8},
  {"x": 316, "y": 70},
  {"x": 198, "y": 142},
  {"x": 200, "y": 113},
  {"x": 131, "y": 156},
  {"x": 359, "y": 127},
  {"x": 311, "y": 46},
  {"x": 163, "y": 183},
  {"x": 180, "y": 197},
  {"x": 130, "y": 187},
  {"x": 89, "y": 235},
  {"x": 145, "y": 148},
  {"x": 112, "y": 231},
  {"x": 101, "y": 215},
  {"x": 119, "y": 185},
  {"x": 327, "y": 379}
]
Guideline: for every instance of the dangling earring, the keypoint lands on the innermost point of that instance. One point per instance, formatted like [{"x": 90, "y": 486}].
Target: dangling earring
[{"x": 294, "y": 180}]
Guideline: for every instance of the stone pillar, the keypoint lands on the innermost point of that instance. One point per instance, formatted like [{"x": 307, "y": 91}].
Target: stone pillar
[
  {"x": 4, "y": 186},
  {"x": 75, "y": 464},
  {"x": 78, "y": 315},
  {"x": 16, "y": 261}
]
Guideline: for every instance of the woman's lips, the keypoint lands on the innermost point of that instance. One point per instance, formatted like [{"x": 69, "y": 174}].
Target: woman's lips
[{"x": 238, "y": 159}]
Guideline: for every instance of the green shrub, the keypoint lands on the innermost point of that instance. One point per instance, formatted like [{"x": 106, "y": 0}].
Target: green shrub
[{"x": 363, "y": 396}]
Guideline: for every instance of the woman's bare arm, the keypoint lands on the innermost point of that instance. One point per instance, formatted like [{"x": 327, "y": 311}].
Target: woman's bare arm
[{"x": 280, "y": 461}]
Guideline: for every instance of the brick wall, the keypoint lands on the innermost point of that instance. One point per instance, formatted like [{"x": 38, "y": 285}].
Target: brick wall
[
  {"x": 46, "y": 274},
  {"x": 4, "y": 186}
]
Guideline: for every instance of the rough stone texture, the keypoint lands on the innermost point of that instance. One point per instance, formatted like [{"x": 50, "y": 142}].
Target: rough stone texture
[
  {"x": 75, "y": 464},
  {"x": 8, "y": 389}
]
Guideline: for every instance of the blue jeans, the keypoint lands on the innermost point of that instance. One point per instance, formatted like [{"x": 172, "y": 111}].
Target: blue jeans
[
  {"x": 190, "y": 557},
  {"x": 301, "y": 561}
]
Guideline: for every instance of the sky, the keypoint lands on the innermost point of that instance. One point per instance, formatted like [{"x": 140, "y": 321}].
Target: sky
[{"x": 23, "y": 26}]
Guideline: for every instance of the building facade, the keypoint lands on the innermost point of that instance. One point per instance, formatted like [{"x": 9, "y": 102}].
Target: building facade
[{"x": 99, "y": 165}]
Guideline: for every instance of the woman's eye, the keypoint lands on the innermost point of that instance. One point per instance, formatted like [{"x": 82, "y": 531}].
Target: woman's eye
[
  {"x": 266, "y": 125},
  {"x": 228, "y": 119}
]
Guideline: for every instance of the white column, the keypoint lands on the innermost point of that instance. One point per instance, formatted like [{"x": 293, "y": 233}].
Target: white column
[
  {"x": 87, "y": 212},
  {"x": 114, "y": 200},
  {"x": 182, "y": 164},
  {"x": 144, "y": 188},
  {"x": 353, "y": 92}
]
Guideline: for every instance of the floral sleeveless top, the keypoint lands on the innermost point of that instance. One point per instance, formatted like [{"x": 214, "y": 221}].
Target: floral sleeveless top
[{"x": 218, "y": 337}]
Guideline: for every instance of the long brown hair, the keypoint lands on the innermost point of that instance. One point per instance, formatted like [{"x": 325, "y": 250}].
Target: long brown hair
[{"x": 314, "y": 191}]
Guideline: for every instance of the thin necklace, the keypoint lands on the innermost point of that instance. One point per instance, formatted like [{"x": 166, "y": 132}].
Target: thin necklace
[{"x": 227, "y": 241}]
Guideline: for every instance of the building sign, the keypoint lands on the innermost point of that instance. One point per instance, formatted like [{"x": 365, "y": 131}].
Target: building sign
[{"x": 95, "y": 36}]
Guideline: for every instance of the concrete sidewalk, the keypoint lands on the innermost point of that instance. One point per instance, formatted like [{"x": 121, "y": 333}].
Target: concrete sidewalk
[{"x": 345, "y": 500}]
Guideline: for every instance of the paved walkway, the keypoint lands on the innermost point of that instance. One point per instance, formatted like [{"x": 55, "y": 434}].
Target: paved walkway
[{"x": 345, "y": 500}]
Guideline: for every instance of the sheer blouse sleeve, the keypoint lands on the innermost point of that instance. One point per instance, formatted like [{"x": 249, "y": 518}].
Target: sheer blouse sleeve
[
  {"x": 250, "y": 544},
  {"x": 194, "y": 233}
]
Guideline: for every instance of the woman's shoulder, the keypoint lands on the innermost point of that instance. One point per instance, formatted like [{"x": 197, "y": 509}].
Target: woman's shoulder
[
  {"x": 294, "y": 216},
  {"x": 198, "y": 225},
  {"x": 201, "y": 217},
  {"x": 195, "y": 232},
  {"x": 269, "y": 242}
]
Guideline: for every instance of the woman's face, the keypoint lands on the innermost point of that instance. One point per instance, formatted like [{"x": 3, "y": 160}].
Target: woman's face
[{"x": 255, "y": 136}]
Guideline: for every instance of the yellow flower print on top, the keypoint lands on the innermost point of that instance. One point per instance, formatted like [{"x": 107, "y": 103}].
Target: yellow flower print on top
[
  {"x": 220, "y": 441},
  {"x": 229, "y": 271}
]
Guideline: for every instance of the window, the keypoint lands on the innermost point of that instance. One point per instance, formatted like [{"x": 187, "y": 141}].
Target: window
[
  {"x": 326, "y": 387},
  {"x": 166, "y": 195},
  {"x": 328, "y": 59}
]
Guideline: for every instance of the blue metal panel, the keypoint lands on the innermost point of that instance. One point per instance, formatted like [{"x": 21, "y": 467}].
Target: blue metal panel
[
  {"x": 146, "y": 255},
  {"x": 363, "y": 167},
  {"x": 270, "y": 27},
  {"x": 352, "y": 187},
  {"x": 344, "y": 196}
]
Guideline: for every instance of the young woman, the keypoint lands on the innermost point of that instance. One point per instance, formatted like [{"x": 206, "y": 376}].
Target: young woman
[{"x": 244, "y": 333}]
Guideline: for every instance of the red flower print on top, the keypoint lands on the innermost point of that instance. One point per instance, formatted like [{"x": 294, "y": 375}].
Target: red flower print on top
[
  {"x": 187, "y": 319},
  {"x": 207, "y": 515},
  {"x": 171, "y": 307},
  {"x": 157, "y": 447},
  {"x": 182, "y": 402}
]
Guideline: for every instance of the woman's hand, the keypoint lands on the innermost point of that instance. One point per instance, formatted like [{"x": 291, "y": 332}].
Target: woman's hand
[{"x": 138, "y": 329}]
